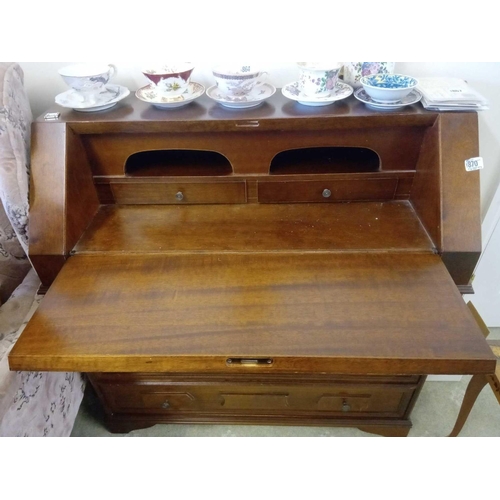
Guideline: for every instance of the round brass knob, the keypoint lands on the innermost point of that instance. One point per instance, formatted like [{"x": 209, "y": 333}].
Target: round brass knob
[
  {"x": 326, "y": 193},
  {"x": 346, "y": 406}
]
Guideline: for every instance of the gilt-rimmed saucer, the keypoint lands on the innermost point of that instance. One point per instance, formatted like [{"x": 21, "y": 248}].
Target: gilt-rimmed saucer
[
  {"x": 251, "y": 100},
  {"x": 105, "y": 99},
  {"x": 341, "y": 91},
  {"x": 413, "y": 97},
  {"x": 150, "y": 95}
]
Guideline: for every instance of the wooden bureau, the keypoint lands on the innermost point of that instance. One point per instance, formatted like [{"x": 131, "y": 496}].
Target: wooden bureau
[{"x": 278, "y": 265}]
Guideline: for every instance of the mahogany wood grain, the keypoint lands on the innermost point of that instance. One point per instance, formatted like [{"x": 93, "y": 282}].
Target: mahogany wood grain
[
  {"x": 104, "y": 185},
  {"x": 257, "y": 399},
  {"x": 235, "y": 396},
  {"x": 461, "y": 217},
  {"x": 444, "y": 194},
  {"x": 260, "y": 304},
  {"x": 178, "y": 193},
  {"x": 360, "y": 313},
  {"x": 81, "y": 202},
  {"x": 315, "y": 227},
  {"x": 426, "y": 189},
  {"x": 47, "y": 191},
  {"x": 252, "y": 152},
  {"x": 63, "y": 199},
  {"x": 338, "y": 191},
  {"x": 278, "y": 113}
]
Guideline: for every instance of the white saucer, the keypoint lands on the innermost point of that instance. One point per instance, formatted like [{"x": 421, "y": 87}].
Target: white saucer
[
  {"x": 107, "y": 98},
  {"x": 255, "y": 98},
  {"x": 413, "y": 97},
  {"x": 150, "y": 95},
  {"x": 341, "y": 91}
]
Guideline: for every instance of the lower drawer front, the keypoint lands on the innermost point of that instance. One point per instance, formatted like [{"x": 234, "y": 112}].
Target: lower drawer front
[{"x": 379, "y": 400}]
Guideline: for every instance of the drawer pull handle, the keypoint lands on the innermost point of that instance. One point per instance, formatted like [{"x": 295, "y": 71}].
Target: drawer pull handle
[
  {"x": 249, "y": 361},
  {"x": 179, "y": 196},
  {"x": 250, "y": 123},
  {"x": 327, "y": 193},
  {"x": 346, "y": 406},
  {"x": 166, "y": 405}
]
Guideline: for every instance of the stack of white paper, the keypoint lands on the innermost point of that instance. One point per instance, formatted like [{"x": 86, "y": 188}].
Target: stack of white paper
[{"x": 450, "y": 94}]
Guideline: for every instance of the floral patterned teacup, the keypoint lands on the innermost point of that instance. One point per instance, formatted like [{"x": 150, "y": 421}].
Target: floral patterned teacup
[
  {"x": 169, "y": 80},
  {"x": 354, "y": 71},
  {"x": 318, "y": 79}
]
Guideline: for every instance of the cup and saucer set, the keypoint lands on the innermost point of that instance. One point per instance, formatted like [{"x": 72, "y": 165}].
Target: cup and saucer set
[
  {"x": 170, "y": 85},
  {"x": 387, "y": 92},
  {"x": 318, "y": 85},
  {"x": 240, "y": 87},
  {"x": 90, "y": 88}
]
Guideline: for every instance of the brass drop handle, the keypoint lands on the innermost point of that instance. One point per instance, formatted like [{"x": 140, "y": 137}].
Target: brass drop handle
[
  {"x": 179, "y": 196},
  {"x": 345, "y": 406},
  {"x": 326, "y": 193},
  {"x": 166, "y": 405}
]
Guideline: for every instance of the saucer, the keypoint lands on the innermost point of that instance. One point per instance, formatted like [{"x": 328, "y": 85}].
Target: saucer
[
  {"x": 255, "y": 98},
  {"x": 150, "y": 95},
  {"x": 105, "y": 99},
  {"x": 341, "y": 91},
  {"x": 413, "y": 97}
]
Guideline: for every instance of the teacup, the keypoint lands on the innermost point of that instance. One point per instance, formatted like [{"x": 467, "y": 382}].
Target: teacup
[
  {"x": 354, "y": 71},
  {"x": 87, "y": 77},
  {"x": 236, "y": 81},
  {"x": 318, "y": 79},
  {"x": 170, "y": 80}
]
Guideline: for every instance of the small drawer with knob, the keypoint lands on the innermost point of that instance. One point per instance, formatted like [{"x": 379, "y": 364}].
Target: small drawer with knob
[
  {"x": 178, "y": 193},
  {"x": 326, "y": 191}
]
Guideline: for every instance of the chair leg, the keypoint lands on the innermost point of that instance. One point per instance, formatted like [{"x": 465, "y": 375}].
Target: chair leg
[{"x": 474, "y": 388}]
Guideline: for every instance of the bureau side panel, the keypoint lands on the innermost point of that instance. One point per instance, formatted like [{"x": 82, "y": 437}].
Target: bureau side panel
[
  {"x": 47, "y": 200},
  {"x": 63, "y": 199},
  {"x": 446, "y": 196},
  {"x": 461, "y": 216}
]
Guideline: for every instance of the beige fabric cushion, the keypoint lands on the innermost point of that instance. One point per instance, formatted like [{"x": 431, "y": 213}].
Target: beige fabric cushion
[
  {"x": 13, "y": 262},
  {"x": 15, "y": 132}
]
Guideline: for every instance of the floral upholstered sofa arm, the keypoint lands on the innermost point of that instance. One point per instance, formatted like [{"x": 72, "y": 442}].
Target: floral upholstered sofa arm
[{"x": 31, "y": 403}]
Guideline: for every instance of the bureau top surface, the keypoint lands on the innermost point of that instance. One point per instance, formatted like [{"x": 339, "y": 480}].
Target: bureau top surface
[{"x": 278, "y": 110}]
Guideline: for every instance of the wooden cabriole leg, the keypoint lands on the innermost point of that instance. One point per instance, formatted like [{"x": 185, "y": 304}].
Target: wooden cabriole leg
[{"x": 474, "y": 388}]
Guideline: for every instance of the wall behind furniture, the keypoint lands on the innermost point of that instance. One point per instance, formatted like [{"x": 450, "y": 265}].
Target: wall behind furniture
[{"x": 43, "y": 84}]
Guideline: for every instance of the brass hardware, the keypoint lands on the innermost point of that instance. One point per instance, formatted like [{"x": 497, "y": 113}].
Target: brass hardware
[
  {"x": 327, "y": 193},
  {"x": 345, "y": 406},
  {"x": 249, "y": 361},
  {"x": 249, "y": 123},
  {"x": 179, "y": 196}
]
